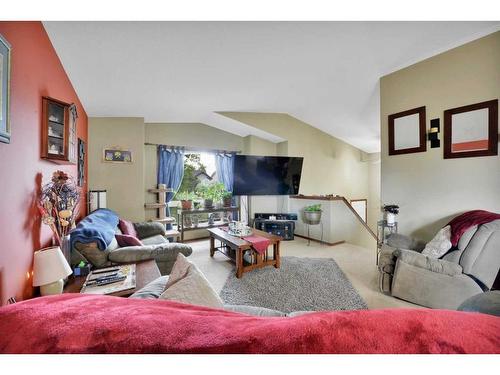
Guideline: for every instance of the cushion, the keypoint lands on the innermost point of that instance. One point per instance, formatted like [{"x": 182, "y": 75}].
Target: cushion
[
  {"x": 154, "y": 240},
  {"x": 127, "y": 227},
  {"x": 127, "y": 240},
  {"x": 152, "y": 290},
  {"x": 188, "y": 285},
  {"x": 440, "y": 244}
]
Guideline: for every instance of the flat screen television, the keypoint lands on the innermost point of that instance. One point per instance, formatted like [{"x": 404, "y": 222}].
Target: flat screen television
[{"x": 266, "y": 175}]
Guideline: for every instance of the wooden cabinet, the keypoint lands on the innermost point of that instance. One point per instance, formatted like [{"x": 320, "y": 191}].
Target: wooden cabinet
[{"x": 59, "y": 141}]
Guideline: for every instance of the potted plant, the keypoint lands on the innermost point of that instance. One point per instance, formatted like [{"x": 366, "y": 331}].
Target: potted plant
[
  {"x": 390, "y": 212},
  {"x": 211, "y": 193},
  {"x": 227, "y": 199},
  {"x": 186, "y": 199},
  {"x": 312, "y": 214}
]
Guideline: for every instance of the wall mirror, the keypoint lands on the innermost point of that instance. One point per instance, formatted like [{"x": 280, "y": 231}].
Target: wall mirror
[
  {"x": 471, "y": 130},
  {"x": 407, "y": 132}
]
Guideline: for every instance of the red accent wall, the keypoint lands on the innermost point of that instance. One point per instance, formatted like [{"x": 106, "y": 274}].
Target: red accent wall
[{"x": 36, "y": 72}]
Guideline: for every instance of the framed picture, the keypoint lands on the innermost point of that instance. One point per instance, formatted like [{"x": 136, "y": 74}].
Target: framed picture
[
  {"x": 407, "y": 132},
  {"x": 5, "y": 63},
  {"x": 471, "y": 130},
  {"x": 81, "y": 162},
  {"x": 117, "y": 155}
]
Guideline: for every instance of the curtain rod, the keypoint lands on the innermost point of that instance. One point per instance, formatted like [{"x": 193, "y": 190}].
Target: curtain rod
[{"x": 194, "y": 149}]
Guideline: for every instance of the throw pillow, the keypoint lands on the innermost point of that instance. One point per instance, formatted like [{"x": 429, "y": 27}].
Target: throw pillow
[
  {"x": 440, "y": 244},
  {"x": 125, "y": 240},
  {"x": 188, "y": 285},
  {"x": 127, "y": 227}
]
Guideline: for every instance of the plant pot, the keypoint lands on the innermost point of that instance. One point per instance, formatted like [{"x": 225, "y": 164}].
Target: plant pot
[
  {"x": 187, "y": 205},
  {"x": 227, "y": 202},
  {"x": 208, "y": 203},
  {"x": 312, "y": 217}
]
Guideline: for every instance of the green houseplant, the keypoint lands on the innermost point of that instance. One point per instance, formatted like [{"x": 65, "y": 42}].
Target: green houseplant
[
  {"x": 312, "y": 214},
  {"x": 211, "y": 192},
  {"x": 186, "y": 198},
  {"x": 227, "y": 199}
]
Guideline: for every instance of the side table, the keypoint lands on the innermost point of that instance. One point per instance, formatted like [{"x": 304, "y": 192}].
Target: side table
[{"x": 145, "y": 272}]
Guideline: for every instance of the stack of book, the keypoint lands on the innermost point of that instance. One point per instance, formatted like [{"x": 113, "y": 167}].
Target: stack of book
[{"x": 110, "y": 280}]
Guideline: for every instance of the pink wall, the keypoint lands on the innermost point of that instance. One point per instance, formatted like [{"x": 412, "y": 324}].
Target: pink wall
[{"x": 36, "y": 72}]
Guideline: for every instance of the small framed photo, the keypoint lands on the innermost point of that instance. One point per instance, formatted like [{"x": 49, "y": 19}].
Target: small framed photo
[
  {"x": 117, "y": 155},
  {"x": 5, "y": 62}
]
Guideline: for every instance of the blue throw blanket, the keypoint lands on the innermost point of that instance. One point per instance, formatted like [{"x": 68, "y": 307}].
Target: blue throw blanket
[{"x": 97, "y": 227}]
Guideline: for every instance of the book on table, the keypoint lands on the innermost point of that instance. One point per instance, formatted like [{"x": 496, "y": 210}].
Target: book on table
[{"x": 110, "y": 280}]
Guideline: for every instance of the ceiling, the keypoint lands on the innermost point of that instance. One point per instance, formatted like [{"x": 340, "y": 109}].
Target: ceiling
[{"x": 323, "y": 73}]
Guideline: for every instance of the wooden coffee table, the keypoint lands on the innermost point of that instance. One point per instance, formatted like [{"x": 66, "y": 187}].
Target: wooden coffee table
[
  {"x": 145, "y": 272},
  {"x": 234, "y": 248}
]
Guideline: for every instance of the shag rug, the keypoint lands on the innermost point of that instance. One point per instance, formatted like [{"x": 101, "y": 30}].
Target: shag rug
[{"x": 300, "y": 284}]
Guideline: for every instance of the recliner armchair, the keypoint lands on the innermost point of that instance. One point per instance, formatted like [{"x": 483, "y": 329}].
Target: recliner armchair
[{"x": 442, "y": 283}]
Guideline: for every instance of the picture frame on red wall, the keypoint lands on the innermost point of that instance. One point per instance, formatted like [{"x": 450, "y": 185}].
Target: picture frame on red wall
[{"x": 5, "y": 63}]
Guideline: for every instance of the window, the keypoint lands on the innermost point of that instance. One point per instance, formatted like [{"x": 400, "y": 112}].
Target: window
[{"x": 198, "y": 167}]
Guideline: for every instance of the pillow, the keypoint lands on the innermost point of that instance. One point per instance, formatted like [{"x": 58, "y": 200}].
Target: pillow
[
  {"x": 188, "y": 285},
  {"x": 440, "y": 244},
  {"x": 127, "y": 227},
  {"x": 125, "y": 240}
]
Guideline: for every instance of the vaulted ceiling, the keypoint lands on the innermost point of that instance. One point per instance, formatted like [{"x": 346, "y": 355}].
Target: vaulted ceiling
[{"x": 323, "y": 73}]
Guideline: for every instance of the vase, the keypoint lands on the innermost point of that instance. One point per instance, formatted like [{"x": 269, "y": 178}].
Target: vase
[
  {"x": 187, "y": 204},
  {"x": 390, "y": 218}
]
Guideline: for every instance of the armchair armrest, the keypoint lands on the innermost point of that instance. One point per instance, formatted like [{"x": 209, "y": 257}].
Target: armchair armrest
[
  {"x": 423, "y": 261},
  {"x": 399, "y": 241},
  {"x": 149, "y": 228}
]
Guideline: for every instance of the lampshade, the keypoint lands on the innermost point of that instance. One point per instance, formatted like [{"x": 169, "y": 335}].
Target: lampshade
[{"x": 49, "y": 266}]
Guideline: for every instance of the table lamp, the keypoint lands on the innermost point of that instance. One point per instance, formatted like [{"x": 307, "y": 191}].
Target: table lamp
[{"x": 49, "y": 269}]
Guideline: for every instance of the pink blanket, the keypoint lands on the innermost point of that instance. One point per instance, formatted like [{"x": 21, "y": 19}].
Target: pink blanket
[
  {"x": 259, "y": 243},
  {"x": 461, "y": 223},
  {"x": 74, "y": 323}
]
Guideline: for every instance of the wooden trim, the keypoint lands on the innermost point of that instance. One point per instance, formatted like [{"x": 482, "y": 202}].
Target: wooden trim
[
  {"x": 360, "y": 219},
  {"x": 492, "y": 106},
  {"x": 423, "y": 144},
  {"x": 366, "y": 206},
  {"x": 319, "y": 241},
  {"x": 318, "y": 197}
]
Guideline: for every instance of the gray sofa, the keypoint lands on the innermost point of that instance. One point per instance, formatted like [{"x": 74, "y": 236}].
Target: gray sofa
[
  {"x": 155, "y": 246},
  {"x": 442, "y": 283},
  {"x": 155, "y": 288}
]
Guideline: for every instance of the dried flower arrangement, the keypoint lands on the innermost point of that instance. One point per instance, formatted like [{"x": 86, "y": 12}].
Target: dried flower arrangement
[{"x": 58, "y": 204}]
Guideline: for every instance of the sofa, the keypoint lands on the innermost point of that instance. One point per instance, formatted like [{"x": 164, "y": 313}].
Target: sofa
[
  {"x": 466, "y": 270},
  {"x": 155, "y": 246}
]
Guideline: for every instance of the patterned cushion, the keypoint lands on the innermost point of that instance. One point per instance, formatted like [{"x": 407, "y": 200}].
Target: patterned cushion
[
  {"x": 94, "y": 255},
  {"x": 188, "y": 285}
]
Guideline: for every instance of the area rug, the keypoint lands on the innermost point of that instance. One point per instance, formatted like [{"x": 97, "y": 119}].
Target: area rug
[{"x": 300, "y": 284}]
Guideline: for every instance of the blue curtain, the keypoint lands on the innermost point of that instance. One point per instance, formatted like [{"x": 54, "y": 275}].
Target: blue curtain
[
  {"x": 224, "y": 163},
  {"x": 170, "y": 170}
]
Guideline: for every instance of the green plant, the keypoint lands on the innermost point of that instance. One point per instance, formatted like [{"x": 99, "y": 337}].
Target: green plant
[
  {"x": 227, "y": 195},
  {"x": 313, "y": 208},
  {"x": 211, "y": 190},
  {"x": 185, "y": 196}
]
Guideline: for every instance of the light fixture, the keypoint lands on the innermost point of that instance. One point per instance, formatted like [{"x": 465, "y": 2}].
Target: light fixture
[{"x": 49, "y": 269}]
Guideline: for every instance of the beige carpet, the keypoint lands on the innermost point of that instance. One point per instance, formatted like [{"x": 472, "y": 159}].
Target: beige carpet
[{"x": 356, "y": 262}]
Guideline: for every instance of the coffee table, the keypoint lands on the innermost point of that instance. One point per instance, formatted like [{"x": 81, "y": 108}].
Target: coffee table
[
  {"x": 234, "y": 248},
  {"x": 145, "y": 272}
]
